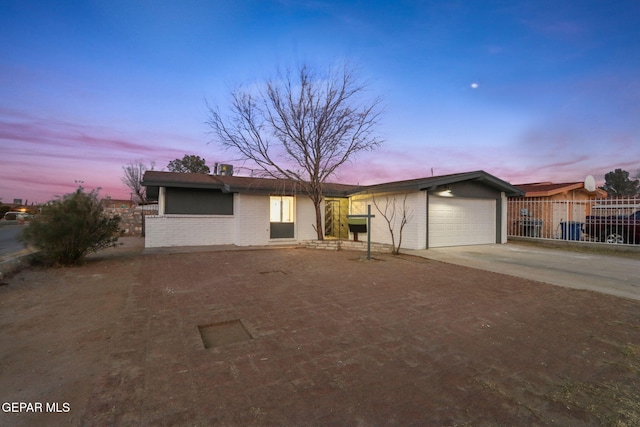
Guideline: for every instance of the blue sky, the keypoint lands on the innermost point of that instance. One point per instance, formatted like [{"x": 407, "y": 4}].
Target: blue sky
[{"x": 89, "y": 86}]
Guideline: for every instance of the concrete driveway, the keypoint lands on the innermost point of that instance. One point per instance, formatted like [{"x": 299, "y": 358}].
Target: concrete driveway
[{"x": 614, "y": 275}]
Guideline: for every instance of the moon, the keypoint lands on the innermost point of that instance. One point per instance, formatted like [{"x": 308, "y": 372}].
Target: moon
[{"x": 474, "y": 85}]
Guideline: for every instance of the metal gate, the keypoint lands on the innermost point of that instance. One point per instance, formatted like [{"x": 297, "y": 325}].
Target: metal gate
[{"x": 614, "y": 221}]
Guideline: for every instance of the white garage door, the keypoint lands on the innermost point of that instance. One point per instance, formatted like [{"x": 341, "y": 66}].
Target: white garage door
[{"x": 458, "y": 221}]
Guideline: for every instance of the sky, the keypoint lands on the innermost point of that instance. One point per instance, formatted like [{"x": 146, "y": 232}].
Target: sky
[{"x": 529, "y": 91}]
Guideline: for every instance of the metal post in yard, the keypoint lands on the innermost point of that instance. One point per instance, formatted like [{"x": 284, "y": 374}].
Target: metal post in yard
[
  {"x": 368, "y": 216},
  {"x": 369, "y": 232}
]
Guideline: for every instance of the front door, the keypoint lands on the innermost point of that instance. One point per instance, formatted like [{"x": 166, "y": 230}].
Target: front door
[{"x": 335, "y": 218}]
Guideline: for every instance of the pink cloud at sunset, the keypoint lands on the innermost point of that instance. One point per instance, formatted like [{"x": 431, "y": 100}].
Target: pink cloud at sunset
[
  {"x": 51, "y": 158},
  {"x": 529, "y": 91}
]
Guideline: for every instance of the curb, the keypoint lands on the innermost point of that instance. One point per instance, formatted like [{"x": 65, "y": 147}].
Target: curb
[{"x": 15, "y": 263}]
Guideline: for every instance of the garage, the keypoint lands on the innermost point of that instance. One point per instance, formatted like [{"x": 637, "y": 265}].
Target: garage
[
  {"x": 468, "y": 208},
  {"x": 455, "y": 221}
]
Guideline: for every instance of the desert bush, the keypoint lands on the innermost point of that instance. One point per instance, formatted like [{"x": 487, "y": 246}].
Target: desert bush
[{"x": 70, "y": 228}]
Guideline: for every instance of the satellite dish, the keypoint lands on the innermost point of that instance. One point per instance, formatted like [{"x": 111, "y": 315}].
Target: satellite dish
[{"x": 589, "y": 183}]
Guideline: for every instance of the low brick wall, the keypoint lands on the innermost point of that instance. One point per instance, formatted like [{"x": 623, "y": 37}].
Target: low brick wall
[
  {"x": 347, "y": 245},
  {"x": 130, "y": 219}
]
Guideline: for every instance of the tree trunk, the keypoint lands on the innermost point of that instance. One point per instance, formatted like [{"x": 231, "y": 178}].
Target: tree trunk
[{"x": 319, "y": 226}]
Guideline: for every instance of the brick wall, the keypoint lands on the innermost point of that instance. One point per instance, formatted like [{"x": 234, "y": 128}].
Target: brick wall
[
  {"x": 248, "y": 226},
  {"x": 414, "y": 232},
  {"x": 252, "y": 219},
  {"x": 189, "y": 230},
  {"x": 130, "y": 218},
  {"x": 348, "y": 245}
]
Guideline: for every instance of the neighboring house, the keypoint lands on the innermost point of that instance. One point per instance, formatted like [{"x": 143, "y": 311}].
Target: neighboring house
[
  {"x": 198, "y": 209},
  {"x": 547, "y": 207},
  {"x": 566, "y": 190}
]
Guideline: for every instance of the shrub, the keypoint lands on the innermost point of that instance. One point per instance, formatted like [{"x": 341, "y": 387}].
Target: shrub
[
  {"x": 4, "y": 209},
  {"x": 70, "y": 228}
]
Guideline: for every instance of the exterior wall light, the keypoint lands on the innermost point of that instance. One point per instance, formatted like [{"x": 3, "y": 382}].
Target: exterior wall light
[{"x": 445, "y": 192}]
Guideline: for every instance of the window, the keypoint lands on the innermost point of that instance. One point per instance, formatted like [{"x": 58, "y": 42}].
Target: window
[
  {"x": 281, "y": 209},
  {"x": 193, "y": 201},
  {"x": 281, "y": 217}
]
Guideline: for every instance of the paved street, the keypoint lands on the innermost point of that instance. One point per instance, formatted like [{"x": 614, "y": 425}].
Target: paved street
[{"x": 9, "y": 239}]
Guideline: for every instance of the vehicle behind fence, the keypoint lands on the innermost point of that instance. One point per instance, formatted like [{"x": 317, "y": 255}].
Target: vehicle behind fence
[{"x": 615, "y": 221}]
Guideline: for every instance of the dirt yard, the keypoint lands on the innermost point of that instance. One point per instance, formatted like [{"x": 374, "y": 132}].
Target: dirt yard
[{"x": 299, "y": 337}]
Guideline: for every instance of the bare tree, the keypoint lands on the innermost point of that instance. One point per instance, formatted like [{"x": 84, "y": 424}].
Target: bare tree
[
  {"x": 132, "y": 178},
  {"x": 389, "y": 212},
  {"x": 301, "y": 126}
]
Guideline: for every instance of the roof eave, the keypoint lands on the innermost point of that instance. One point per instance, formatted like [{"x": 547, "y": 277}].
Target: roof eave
[
  {"x": 480, "y": 176},
  {"x": 174, "y": 184},
  {"x": 433, "y": 183}
]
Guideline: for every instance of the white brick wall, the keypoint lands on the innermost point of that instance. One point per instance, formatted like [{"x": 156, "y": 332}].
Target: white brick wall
[
  {"x": 306, "y": 218},
  {"x": 250, "y": 223},
  {"x": 188, "y": 230},
  {"x": 247, "y": 227},
  {"x": 414, "y": 232},
  {"x": 252, "y": 219}
]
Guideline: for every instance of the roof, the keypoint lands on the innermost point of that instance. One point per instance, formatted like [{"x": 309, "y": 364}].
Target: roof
[
  {"x": 547, "y": 189},
  {"x": 242, "y": 184},
  {"x": 236, "y": 184},
  {"x": 431, "y": 183}
]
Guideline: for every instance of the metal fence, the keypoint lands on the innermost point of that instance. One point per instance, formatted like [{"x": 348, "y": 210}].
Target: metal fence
[{"x": 615, "y": 221}]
